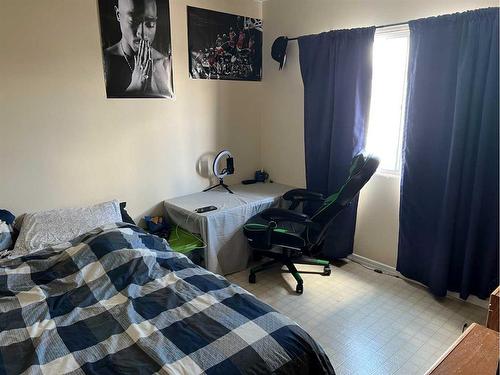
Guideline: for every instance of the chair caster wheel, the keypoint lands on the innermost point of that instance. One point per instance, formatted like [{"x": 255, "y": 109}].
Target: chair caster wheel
[
  {"x": 299, "y": 289},
  {"x": 327, "y": 271},
  {"x": 252, "y": 279}
]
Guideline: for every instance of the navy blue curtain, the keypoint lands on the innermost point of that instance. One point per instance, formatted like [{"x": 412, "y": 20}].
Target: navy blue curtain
[
  {"x": 336, "y": 69},
  {"x": 448, "y": 236}
]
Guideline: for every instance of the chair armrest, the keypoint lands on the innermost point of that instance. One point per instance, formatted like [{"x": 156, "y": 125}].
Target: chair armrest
[
  {"x": 297, "y": 196},
  {"x": 280, "y": 214},
  {"x": 302, "y": 195}
]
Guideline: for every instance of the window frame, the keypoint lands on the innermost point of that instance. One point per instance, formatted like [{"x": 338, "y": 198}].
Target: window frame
[{"x": 393, "y": 32}]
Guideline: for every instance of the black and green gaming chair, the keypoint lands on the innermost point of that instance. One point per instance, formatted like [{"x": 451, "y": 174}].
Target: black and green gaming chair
[{"x": 289, "y": 237}]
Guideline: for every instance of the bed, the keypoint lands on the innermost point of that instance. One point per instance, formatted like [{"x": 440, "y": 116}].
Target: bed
[{"x": 117, "y": 300}]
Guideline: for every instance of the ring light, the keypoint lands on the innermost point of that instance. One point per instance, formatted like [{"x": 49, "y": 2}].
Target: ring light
[
  {"x": 224, "y": 172},
  {"x": 220, "y": 174}
]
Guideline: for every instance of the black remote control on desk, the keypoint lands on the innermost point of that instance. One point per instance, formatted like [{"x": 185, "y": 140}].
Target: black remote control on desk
[{"x": 205, "y": 209}]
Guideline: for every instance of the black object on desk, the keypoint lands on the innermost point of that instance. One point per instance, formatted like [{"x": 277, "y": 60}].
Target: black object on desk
[
  {"x": 248, "y": 182},
  {"x": 260, "y": 176},
  {"x": 205, "y": 209}
]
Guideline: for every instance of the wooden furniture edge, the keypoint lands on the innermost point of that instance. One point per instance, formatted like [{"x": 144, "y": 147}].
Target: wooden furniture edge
[{"x": 450, "y": 349}]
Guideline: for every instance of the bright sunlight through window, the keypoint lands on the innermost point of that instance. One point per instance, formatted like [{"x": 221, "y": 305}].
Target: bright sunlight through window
[{"x": 387, "y": 108}]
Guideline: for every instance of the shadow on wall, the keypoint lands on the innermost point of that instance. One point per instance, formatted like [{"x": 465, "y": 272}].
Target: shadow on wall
[
  {"x": 237, "y": 119},
  {"x": 227, "y": 117},
  {"x": 204, "y": 166}
]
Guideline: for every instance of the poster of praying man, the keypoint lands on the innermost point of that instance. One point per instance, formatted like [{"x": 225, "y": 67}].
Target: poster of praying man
[{"x": 136, "y": 44}]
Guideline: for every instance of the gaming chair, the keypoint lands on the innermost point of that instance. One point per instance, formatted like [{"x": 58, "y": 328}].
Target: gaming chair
[{"x": 289, "y": 237}]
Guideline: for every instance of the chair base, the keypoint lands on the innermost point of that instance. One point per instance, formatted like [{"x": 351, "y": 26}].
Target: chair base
[{"x": 289, "y": 262}]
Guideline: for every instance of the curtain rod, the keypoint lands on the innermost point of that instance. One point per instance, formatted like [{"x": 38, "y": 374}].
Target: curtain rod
[{"x": 377, "y": 27}]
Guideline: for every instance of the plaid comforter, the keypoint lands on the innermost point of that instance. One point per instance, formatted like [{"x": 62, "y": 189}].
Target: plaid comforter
[{"x": 117, "y": 300}]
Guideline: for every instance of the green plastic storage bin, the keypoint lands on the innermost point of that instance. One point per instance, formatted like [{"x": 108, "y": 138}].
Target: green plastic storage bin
[{"x": 184, "y": 242}]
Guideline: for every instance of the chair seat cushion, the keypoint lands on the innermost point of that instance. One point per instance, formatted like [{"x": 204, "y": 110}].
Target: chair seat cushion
[{"x": 285, "y": 234}]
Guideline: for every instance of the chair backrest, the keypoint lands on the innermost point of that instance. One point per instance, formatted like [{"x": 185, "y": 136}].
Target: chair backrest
[{"x": 361, "y": 170}]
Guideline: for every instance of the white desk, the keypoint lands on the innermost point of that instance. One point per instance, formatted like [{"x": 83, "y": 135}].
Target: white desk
[{"x": 227, "y": 249}]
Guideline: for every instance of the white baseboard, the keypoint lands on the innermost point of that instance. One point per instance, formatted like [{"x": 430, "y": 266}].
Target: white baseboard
[
  {"x": 471, "y": 299},
  {"x": 392, "y": 271},
  {"x": 374, "y": 264}
]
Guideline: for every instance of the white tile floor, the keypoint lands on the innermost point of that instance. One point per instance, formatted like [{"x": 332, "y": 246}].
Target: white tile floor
[{"x": 367, "y": 323}]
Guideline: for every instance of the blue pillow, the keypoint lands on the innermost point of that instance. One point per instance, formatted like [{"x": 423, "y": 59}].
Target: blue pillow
[
  {"x": 6, "y": 230},
  {"x": 7, "y": 216}
]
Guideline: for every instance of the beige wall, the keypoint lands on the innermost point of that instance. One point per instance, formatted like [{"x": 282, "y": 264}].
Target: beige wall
[
  {"x": 62, "y": 143},
  {"x": 282, "y": 127}
]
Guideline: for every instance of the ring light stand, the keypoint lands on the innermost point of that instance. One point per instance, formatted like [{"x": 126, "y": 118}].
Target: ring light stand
[{"x": 224, "y": 172}]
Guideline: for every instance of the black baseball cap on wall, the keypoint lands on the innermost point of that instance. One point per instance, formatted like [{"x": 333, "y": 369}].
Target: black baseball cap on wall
[{"x": 278, "y": 50}]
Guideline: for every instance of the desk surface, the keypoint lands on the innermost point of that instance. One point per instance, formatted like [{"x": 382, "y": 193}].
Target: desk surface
[
  {"x": 227, "y": 250},
  {"x": 244, "y": 195}
]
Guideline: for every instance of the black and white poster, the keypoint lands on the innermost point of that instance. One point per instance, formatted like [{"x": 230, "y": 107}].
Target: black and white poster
[
  {"x": 224, "y": 46},
  {"x": 136, "y": 43}
]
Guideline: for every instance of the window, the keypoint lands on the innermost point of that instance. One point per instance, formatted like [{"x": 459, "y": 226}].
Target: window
[{"x": 387, "y": 107}]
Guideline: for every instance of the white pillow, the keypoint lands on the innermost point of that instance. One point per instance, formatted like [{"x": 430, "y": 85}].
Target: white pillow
[{"x": 47, "y": 228}]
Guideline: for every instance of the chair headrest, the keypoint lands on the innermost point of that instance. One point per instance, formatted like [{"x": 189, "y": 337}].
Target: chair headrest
[
  {"x": 359, "y": 177},
  {"x": 356, "y": 163}
]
